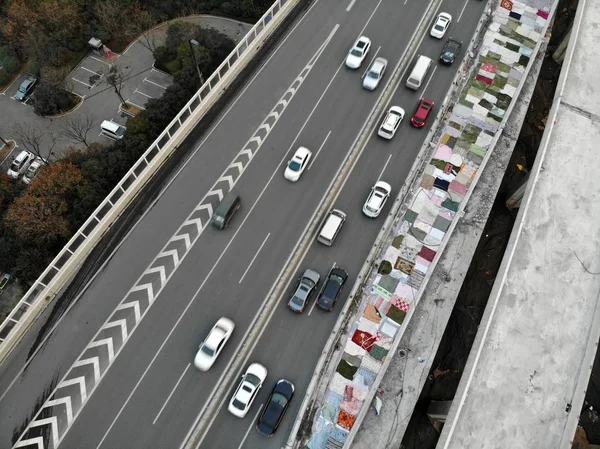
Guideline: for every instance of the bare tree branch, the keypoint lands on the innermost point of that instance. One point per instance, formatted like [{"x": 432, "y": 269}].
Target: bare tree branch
[
  {"x": 35, "y": 140},
  {"x": 77, "y": 128},
  {"x": 116, "y": 77}
]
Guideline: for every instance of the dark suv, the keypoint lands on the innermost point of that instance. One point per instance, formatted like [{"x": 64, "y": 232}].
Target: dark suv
[
  {"x": 333, "y": 287},
  {"x": 450, "y": 51}
]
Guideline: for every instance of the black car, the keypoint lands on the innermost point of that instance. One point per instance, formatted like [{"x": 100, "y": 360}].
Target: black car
[
  {"x": 333, "y": 287},
  {"x": 450, "y": 51},
  {"x": 273, "y": 412}
]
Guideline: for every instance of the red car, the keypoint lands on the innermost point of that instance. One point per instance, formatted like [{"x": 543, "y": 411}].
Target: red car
[{"x": 424, "y": 108}]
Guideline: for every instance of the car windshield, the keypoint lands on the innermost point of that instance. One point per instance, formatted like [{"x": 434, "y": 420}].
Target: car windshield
[
  {"x": 439, "y": 27},
  {"x": 373, "y": 74},
  {"x": 252, "y": 379},
  {"x": 14, "y": 166},
  {"x": 356, "y": 52},
  {"x": 294, "y": 166},
  {"x": 208, "y": 351},
  {"x": 238, "y": 404}
]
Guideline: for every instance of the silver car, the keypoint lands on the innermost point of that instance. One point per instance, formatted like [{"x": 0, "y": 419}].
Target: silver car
[
  {"x": 375, "y": 73},
  {"x": 305, "y": 289}
]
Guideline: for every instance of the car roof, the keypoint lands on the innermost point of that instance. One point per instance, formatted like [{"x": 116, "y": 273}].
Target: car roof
[
  {"x": 391, "y": 120},
  {"x": 28, "y": 81},
  {"x": 301, "y": 152}
]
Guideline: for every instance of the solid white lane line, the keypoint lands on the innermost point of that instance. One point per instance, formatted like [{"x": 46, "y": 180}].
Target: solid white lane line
[
  {"x": 318, "y": 151},
  {"x": 429, "y": 81},
  {"x": 384, "y": 167},
  {"x": 350, "y": 5},
  {"x": 462, "y": 11},
  {"x": 171, "y": 394},
  {"x": 252, "y": 424},
  {"x": 254, "y": 258},
  {"x": 370, "y": 62},
  {"x": 158, "y": 197}
]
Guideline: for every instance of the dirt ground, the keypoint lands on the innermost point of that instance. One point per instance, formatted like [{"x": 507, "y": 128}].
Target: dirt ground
[{"x": 461, "y": 330}]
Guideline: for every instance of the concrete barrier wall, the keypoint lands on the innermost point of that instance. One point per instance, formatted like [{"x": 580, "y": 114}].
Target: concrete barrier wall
[{"x": 66, "y": 264}]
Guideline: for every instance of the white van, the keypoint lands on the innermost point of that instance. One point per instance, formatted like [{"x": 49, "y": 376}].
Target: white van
[
  {"x": 331, "y": 227},
  {"x": 20, "y": 164},
  {"x": 419, "y": 72},
  {"x": 112, "y": 129}
]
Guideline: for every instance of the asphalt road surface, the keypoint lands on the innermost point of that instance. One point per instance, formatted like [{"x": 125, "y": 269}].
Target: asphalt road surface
[{"x": 152, "y": 394}]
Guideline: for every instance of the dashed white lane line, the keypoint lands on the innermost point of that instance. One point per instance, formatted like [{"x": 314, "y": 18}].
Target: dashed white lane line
[
  {"x": 252, "y": 424},
  {"x": 350, "y": 5},
  {"x": 171, "y": 394},
  {"x": 429, "y": 80},
  {"x": 254, "y": 258},
  {"x": 384, "y": 167},
  {"x": 318, "y": 151}
]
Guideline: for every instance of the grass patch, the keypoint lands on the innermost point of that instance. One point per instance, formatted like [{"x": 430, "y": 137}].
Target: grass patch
[{"x": 130, "y": 109}]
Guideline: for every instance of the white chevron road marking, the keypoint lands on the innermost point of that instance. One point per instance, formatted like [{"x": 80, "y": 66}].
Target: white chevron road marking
[
  {"x": 119, "y": 323},
  {"x": 173, "y": 254},
  {"x": 156, "y": 267},
  {"x": 67, "y": 403},
  {"x": 77, "y": 381}
]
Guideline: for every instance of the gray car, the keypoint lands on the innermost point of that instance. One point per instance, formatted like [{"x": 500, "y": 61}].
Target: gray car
[
  {"x": 305, "y": 289},
  {"x": 375, "y": 73}
]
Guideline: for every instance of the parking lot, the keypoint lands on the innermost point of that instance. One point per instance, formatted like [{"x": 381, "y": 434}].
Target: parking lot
[
  {"x": 89, "y": 74},
  {"x": 150, "y": 84},
  {"x": 14, "y": 87}
]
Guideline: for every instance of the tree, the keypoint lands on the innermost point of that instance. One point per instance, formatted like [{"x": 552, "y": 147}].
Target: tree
[
  {"x": 116, "y": 77},
  {"x": 51, "y": 99},
  {"x": 38, "y": 216},
  {"x": 34, "y": 139},
  {"x": 121, "y": 21},
  {"x": 77, "y": 128}
]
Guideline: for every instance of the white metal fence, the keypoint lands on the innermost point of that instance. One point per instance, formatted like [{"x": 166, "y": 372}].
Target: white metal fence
[{"x": 66, "y": 263}]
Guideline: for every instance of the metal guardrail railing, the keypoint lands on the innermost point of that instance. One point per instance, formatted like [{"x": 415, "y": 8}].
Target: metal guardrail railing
[{"x": 43, "y": 288}]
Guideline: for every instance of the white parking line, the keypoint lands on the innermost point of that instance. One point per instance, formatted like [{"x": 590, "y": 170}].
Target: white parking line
[
  {"x": 91, "y": 71},
  {"x": 384, "y": 167},
  {"x": 462, "y": 11},
  {"x": 146, "y": 80},
  {"x": 371, "y": 62},
  {"x": 79, "y": 81},
  {"x": 252, "y": 424},
  {"x": 318, "y": 151},
  {"x": 100, "y": 60},
  {"x": 171, "y": 394},
  {"x": 321, "y": 291},
  {"x": 142, "y": 93},
  {"x": 350, "y": 5},
  {"x": 254, "y": 258},
  {"x": 429, "y": 81}
]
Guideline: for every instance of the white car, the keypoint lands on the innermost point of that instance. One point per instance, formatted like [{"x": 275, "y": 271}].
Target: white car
[
  {"x": 297, "y": 164},
  {"x": 379, "y": 195},
  {"x": 33, "y": 169},
  {"x": 375, "y": 73},
  {"x": 20, "y": 164},
  {"x": 391, "y": 122},
  {"x": 247, "y": 389},
  {"x": 441, "y": 25},
  {"x": 358, "y": 52},
  {"x": 213, "y": 344}
]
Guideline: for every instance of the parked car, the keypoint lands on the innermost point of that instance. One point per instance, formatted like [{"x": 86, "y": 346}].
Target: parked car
[
  {"x": 20, "y": 164},
  {"x": 297, "y": 164},
  {"x": 375, "y": 73},
  {"x": 246, "y": 391},
  {"x": 273, "y": 412},
  {"x": 450, "y": 51},
  {"x": 379, "y": 195},
  {"x": 358, "y": 52},
  {"x": 25, "y": 88},
  {"x": 441, "y": 25},
  {"x": 336, "y": 279},
  {"x": 306, "y": 288},
  {"x": 212, "y": 345},
  {"x": 391, "y": 122},
  {"x": 424, "y": 108}
]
